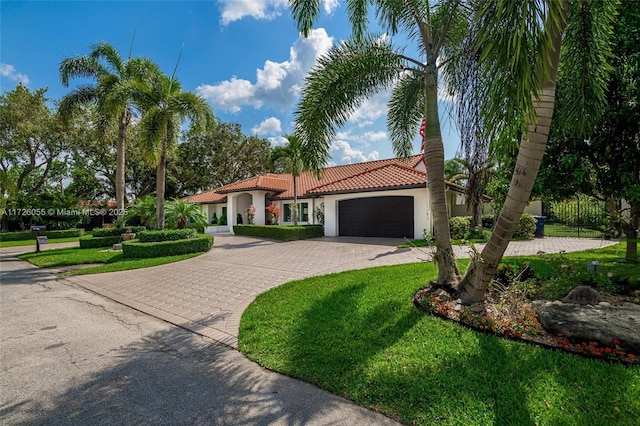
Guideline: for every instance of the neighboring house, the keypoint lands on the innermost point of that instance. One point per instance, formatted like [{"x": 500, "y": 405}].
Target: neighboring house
[{"x": 384, "y": 198}]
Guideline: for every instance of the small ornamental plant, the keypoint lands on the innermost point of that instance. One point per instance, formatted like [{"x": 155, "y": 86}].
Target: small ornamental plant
[
  {"x": 251, "y": 214},
  {"x": 275, "y": 213}
]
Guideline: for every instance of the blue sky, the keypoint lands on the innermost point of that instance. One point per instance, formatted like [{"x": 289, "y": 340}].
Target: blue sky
[{"x": 244, "y": 56}]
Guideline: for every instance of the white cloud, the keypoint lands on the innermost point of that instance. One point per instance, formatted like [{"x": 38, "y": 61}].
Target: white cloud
[
  {"x": 371, "y": 109},
  {"x": 235, "y": 10},
  {"x": 277, "y": 83},
  {"x": 10, "y": 72},
  {"x": 330, "y": 6},
  {"x": 343, "y": 153},
  {"x": 270, "y": 126},
  {"x": 230, "y": 94},
  {"x": 277, "y": 141}
]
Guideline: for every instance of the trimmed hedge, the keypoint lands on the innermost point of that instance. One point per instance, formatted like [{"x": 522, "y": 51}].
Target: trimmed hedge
[
  {"x": 283, "y": 232},
  {"x": 113, "y": 232},
  {"x": 96, "y": 242},
  {"x": 137, "y": 249},
  {"x": 29, "y": 235},
  {"x": 166, "y": 235}
]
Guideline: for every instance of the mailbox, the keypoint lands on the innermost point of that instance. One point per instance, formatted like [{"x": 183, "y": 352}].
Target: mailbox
[
  {"x": 39, "y": 240},
  {"x": 38, "y": 228}
]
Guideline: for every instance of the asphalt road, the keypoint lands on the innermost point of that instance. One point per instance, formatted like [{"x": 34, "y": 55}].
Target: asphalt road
[{"x": 71, "y": 357}]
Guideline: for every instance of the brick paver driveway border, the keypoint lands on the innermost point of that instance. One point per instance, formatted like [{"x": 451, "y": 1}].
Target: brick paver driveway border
[{"x": 208, "y": 294}]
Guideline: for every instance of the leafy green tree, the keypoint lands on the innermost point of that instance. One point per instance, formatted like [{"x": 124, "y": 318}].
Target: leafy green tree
[
  {"x": 520, "y": 46},
  {"x": 164, "y": 108},
  {"x": 366, "y": 64},
  {"x": 105, "y": 65},
  {"x": 33, "y": 142},
  {"x": 217, "y": 157},
  {"x": 606, "y": 164},
  {"x": 292, "y": 158},
  {"x": 179, "y": 213}
]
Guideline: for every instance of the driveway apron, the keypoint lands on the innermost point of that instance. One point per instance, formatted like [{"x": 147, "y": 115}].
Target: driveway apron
[{"x": 207, "y": 294}]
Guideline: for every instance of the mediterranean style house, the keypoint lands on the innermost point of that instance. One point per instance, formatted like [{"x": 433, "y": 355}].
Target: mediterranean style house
[{"x": 384, "y": 198}]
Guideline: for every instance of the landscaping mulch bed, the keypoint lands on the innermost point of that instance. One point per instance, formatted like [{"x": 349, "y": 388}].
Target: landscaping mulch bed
[{"x": 517, "y": 320}]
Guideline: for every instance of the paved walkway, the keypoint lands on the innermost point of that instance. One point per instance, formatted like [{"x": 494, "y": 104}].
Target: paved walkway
[{"x": 208, "y": 294}]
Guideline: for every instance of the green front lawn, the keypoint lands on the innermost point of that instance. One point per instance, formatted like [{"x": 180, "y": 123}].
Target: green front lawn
[
  {"x": 33, "y": 242},
  {"x": 357, "y": 335},
  {"x": 111, "y": 260}
]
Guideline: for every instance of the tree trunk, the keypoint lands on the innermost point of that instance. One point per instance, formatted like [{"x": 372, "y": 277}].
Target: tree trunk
[
  {"x": 161, "y": 174},
  {"x": 474, "y": 284},
  {"x": 434, "y": 159},
  {"x": 120, "y": 163},
  {"x": 295, "y": 201},
  {"x": 631, "y": 232}
]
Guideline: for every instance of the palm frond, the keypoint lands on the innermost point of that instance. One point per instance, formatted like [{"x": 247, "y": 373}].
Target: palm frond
[
  {"x": 80, "y": 66},
  {"x": 343, "y": 78},
  {"x": 305, "y": 13},
  {"x": 585, "y": 66},
  {"x": 405, "y": 111},
  {"x": 105, "y": 51},
  {"x": 73, "y": 101}
]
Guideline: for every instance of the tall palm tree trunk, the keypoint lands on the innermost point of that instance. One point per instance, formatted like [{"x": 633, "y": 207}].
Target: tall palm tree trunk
[
  {"x": 120, "y": 162},
  {"x": 295, "y": 201},
  {"x": 476, "y": 280},
  {"x": 434, "y": 156},
  {"x": 161, "y": 177}
]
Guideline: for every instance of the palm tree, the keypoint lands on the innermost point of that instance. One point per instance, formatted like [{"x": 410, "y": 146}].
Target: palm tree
[
  {"x": 109, "y": 70},
  {"x": 291, "y": 154},
  {"x": 179, "y": 213},
  {"x": 521, "y": 55},
  {"x": 367, "y": 64},
  {"x": 144, "y": 209},
  {"x": 164, "y": 108}
]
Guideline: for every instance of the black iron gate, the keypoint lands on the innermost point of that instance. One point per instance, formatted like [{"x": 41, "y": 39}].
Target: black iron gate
[{"x": 577, "y": 217}]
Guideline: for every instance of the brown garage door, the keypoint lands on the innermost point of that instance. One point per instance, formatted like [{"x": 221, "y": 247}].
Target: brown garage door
[{"x": 376, "y": 217}]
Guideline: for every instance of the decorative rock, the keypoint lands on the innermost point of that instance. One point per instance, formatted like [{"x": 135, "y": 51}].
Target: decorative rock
[
  {"x": 583, "y": 295},
  {"x": 443, "y": 295},
  {"x": 477, "y": 308},
  {"x": 117, "y": 247},
  {"x": 600, "y": 323}
]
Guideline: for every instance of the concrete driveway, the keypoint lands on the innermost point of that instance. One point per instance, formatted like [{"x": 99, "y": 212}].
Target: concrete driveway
[{"x": 208, "y": 294}]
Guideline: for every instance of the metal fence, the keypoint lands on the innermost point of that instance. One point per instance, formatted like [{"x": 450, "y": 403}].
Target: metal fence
[{"x": 577, "y": 217}]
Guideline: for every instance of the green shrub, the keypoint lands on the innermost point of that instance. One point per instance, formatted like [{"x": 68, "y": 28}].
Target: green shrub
[
  {"x": 95, "y": 242},
  {"x": 30, "y": 235},
  {"x": 65, "y": 233},
  {"x": 283, "y": 233},
  {"x": 526, "y": 227},
  {"x": 459, "y": 226},
  {"x": 223, "y": 220},
  {"x": 197, "y": 227},
  {"x": 113, "y": 232},
  {"x": 166, "y": 235},
  {"x": 137, "y": 249},
  {"x": 17, "y": 236}
]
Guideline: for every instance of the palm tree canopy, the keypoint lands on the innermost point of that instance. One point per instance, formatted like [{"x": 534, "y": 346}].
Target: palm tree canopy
[
  {"x": 164, "y": 107},
  {"x": 290, "y": 154},
  {"x": 179, "y": 213}
]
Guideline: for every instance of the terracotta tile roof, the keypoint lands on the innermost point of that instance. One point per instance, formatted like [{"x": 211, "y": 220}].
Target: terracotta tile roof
[
  {"x": 267, "y": 182},
  {"x": 211, "y": 196},
  {"x": 383, "y": 177},
  {"x": 392, "y": 173}
]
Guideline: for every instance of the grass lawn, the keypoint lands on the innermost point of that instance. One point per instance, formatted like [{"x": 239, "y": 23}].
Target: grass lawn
[
  {"x": 357, "y": 335},
  {"x": 112, "y": 261},
  {"x": 33, "y": 242}
]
